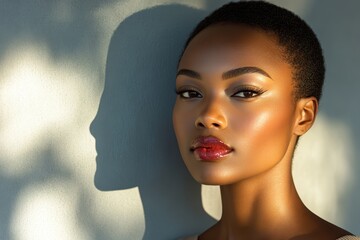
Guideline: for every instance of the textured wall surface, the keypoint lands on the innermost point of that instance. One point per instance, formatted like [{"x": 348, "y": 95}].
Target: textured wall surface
[{"x": 87, "y": 150}]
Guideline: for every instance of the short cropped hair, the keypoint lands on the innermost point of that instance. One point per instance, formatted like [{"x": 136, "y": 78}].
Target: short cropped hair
[{"x": 302, "y": 48}]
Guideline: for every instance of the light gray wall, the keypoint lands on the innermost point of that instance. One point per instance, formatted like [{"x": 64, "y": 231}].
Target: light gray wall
[{"x": 68, "y": 65}]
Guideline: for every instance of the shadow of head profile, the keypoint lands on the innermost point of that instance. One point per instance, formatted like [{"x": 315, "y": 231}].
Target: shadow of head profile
[{"x": 135, "y": 142}]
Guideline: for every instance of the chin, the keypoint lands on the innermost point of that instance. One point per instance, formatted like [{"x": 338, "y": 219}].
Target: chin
[
  {"x": 212, "y": 182},
  {"x": 215, "y": 181},
  {"x": 212, "y": 177}
]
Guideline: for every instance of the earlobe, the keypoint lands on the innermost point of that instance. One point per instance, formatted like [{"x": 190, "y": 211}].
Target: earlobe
[{"x": 306, "y": 113}]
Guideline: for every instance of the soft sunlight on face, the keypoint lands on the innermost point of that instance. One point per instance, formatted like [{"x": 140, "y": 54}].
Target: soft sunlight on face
[
  {"x": 252, "y": 112},
  {"x": 321, "y": 190}
]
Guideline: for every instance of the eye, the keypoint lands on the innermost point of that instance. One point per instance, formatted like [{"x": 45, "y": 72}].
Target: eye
[
  {"x": 248, "y": 92},
  {"x": 188, "y": 94}
]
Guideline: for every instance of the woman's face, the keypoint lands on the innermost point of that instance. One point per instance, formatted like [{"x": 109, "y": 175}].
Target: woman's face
[{"x": 234, "y": 114}]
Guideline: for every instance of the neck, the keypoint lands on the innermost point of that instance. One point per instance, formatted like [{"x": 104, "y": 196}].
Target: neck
[{"x": 264, "y": 205}]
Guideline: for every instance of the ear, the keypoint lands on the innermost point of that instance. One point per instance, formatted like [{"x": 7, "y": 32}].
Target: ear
[{"x": 306, "y": 112}]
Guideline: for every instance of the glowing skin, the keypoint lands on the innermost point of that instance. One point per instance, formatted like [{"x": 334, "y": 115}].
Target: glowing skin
[
  {"x": 252, "y": 112},
  {"x": 237, "y": 123}
]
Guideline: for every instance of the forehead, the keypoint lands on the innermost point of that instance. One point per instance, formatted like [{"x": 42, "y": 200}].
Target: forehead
[{"x": 224, "y": 46}]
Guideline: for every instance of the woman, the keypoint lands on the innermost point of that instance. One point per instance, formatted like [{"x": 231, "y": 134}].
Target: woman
[{"x": 249, "y": 82}]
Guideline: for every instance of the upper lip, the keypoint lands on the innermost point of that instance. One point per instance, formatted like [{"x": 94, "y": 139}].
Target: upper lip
[{"x": 208, "y": 142}]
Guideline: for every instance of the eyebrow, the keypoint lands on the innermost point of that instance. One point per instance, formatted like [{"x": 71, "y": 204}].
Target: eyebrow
[
  {"x": 226, "y": 75},
  {"x": 189, "y": 73}
]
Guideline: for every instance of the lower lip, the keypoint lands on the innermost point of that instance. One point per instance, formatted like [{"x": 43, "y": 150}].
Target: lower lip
[{"x": 211, "y": 154}]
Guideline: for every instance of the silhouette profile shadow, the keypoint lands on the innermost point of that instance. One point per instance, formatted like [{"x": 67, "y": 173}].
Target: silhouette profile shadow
[{"x": 135, "y": 142}]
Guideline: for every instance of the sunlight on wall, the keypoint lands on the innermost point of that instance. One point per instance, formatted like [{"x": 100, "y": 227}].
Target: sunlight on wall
[
  {"x": 46, "y": 103},
  {"x": 39, "y": 99},
  {"x": 322, "y": 167},
  {"x": 47, "y": 211},
  {"x": 35, "y": 101},
  {"x": 211, "y": 200}
]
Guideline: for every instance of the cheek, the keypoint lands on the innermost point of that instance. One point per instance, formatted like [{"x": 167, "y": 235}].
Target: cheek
[
  {"x": 264, "y": 122},
  {"x": 264, "y": 133}
]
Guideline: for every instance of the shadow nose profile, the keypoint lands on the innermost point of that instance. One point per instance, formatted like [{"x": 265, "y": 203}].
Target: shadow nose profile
[
  {"x": 135, "y": 141},
  {"x": 92, "y": 127}
]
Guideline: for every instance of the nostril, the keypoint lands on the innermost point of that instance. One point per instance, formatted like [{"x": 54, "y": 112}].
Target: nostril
[
  {"x": 202, "y": 125},
  {"x": 209, "y": 122}
]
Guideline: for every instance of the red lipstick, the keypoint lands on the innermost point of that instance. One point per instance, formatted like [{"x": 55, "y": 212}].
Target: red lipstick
[{"x": 210, "y": 148}]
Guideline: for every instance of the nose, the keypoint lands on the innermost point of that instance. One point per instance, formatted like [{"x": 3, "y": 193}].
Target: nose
[
  {"x": 92, "y": 127},
  {"x": 212, "y": 117}
]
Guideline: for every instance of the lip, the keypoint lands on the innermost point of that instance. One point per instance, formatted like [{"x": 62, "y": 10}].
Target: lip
[{"x": 210, "y": 148}]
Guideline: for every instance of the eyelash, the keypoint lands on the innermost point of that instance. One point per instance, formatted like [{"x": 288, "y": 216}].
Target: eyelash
[
  {"x": 188, "y": 90},
  {"x": 254, "y": 91}
]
